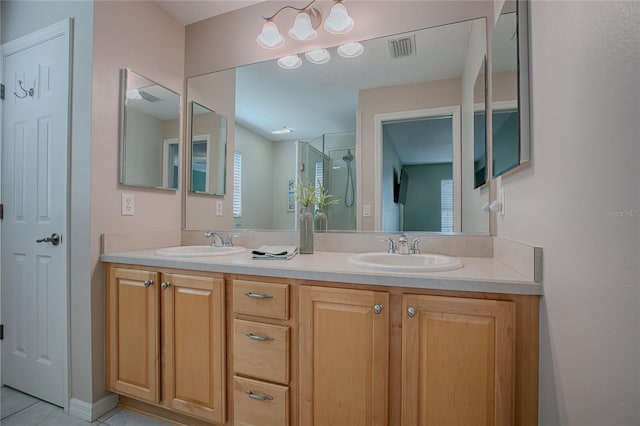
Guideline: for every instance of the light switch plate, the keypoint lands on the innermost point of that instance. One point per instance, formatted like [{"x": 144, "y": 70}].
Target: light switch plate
[
  {"x": 366, "y": 210},
  {"x": 218, "y": 208},
  {"x": 127, "y": 205}
]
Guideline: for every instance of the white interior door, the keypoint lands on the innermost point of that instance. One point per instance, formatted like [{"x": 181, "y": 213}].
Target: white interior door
[{"x": 35, "y": 143}]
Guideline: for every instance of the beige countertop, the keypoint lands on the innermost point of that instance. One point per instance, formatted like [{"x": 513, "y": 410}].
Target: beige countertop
[{"x": 479, "y": 274}]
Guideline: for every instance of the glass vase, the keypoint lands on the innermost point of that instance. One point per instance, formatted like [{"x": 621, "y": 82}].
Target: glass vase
[
  {"x": 320, "y": 221},
  {"x": 305, "y": 225}
]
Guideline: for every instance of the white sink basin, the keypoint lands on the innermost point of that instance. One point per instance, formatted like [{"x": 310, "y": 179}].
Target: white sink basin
[
  {"x": 198, "y": 251},
  {"x": 405, "y": 263}
]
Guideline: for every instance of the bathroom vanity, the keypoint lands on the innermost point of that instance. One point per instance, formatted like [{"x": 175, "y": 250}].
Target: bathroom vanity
[{"x": 318, "y": 341}]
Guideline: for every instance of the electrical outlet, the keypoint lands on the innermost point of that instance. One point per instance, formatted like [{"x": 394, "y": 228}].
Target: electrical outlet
[
  {"x": 366, "y": 210},
  {"x": 127, "y": 205},
  {"x": 218, "y": 208}
]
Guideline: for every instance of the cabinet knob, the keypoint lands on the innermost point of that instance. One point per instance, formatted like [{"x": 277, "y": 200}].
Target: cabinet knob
[
  {"x": 257, "y": 397},
  {"x": 377, "y": 308},
  {"x": 165, "y": 285},
  {"x": 148, "y": 283},
  {"x": 411, "y": 311}
]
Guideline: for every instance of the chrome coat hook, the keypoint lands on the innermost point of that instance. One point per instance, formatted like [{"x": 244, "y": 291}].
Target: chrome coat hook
[{"x": 26, "y": 93}]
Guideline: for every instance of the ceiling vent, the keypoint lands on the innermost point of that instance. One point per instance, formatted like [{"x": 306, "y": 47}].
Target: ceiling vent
[
  {"x": 401, "y": 47},
  {"x": 148, "y": 96}
]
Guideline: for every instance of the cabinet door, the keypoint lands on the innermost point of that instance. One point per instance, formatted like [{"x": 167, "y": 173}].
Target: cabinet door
[
  {"x": 193, "y": 345},
  {"x": 457, "y": 361},
  {"x": 344, "y": 356},
  {"x": 133, "y": 344}
]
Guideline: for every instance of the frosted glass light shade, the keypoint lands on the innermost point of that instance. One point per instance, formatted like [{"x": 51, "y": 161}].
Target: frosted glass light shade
[
  {"x": 290, "y": 62},
  {"x": 133, "y": 94},
  {"x": 270, "y": 37},
  {"x": 302, "y": 28},
  {"x": 319, "y": 56},
  {"x": 350, "y": 50},
  {"x": 339, "y": 21}
]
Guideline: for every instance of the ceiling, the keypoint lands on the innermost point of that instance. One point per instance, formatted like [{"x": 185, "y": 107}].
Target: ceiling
[
  {"x": 190, "y": 11},
  {"x": 323, "y": 99}
]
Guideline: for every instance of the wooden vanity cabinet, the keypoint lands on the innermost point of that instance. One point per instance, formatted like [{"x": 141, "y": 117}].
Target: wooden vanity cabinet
[
  {"x": 261, "y": 352},
  {"x": 458, "y": 361},
  {"x": 344, "y": 356},
  {"x": 165, "y": 340}
]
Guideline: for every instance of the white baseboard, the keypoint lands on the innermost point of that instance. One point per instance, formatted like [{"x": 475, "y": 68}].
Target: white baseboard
[{"x": 91, "y": 411}]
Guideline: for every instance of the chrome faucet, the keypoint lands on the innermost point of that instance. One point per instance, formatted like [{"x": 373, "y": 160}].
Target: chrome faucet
[
  {"x": 403, "y": 244},
  {"x": 216, "y": 239},
  {"x": 414, "y": 246}
]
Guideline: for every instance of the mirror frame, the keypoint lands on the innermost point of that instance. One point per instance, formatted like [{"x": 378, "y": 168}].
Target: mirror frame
[
  {"x": 523, "y": 87},
  {"x": 189, "y": 154},
  {"x": 124, "y": 73}
]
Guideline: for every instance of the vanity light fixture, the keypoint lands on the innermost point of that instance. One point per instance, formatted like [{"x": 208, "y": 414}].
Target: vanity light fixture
[
  {"x": 350, "y": 50},
  {"x": 318, "y": 56},
  {"x": 133, "y": 94},
  {"x": 290, "y": 62},
  {"x": 306, "y": 22},
  {"x": 270, "y": 37},
  {"x": 339, "y": 21}
]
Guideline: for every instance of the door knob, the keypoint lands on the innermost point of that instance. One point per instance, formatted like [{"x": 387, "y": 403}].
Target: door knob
[
  {"x": 54, "y": 239},
  {"x": 165, "y": 285}
]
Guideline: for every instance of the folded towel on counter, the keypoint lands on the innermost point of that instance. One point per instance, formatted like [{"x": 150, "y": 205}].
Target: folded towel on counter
[{"x": 274, "y": 252}]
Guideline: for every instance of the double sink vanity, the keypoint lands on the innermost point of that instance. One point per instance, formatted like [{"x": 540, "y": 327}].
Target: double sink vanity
[{"x": 200, "y": 334}]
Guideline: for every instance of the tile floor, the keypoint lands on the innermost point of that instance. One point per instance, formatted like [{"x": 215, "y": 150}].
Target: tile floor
[{"x": 18, "y": 409}]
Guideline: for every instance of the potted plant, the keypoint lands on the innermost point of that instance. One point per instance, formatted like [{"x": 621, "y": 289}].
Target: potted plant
[
  {"x": 324, "y": 200},
  {"x": 306, "y": 196}
]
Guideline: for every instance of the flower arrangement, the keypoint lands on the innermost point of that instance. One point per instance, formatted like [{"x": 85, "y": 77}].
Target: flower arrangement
[
  {"x": 324, "y": 198},
  {"x": 306, "y": 194}
]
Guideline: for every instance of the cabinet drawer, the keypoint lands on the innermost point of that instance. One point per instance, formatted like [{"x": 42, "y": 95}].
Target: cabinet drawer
[
  {"x": 257, "y": 403},
  {"x": 261, "y": 350},
  {"x": 262, "y": 299}
]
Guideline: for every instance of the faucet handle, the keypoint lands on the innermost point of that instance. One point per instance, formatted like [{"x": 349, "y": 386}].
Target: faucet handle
[
  {"x": 414, "y": 246},
  {"x": 392, "y": 244},
  {"x": 228, "y": 242}
]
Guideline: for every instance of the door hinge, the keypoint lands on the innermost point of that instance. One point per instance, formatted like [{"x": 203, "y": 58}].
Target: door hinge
[
  {"x": 1, "y": 331},
  {"x": 1, "y": 91}
]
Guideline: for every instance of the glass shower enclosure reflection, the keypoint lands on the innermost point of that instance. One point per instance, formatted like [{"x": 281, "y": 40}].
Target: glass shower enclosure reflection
[{"x": 329, "y": 161}]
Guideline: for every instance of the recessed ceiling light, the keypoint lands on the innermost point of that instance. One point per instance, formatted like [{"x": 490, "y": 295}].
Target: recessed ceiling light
[{"x": 283, "y": 131}]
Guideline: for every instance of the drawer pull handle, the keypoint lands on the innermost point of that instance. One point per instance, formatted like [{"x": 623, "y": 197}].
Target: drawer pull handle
[
  {"x": 258, "y": 295},
  {"x": 257, "y": 397},
  {"x": 252, "y": 336},
  {"x": 147, "y": 283}
]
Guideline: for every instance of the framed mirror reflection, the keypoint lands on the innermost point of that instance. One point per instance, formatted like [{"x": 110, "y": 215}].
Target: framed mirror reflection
[
  {"x": 510, "y": 89},
  {"x": 316, "y": 124},
  {"x": 207, "y": 150},
  {"x": 149, "y": 133}
]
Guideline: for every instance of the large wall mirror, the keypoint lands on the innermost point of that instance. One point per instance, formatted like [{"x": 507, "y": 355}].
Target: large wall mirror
[
  {"x": 389, "y": 134},
  {"x": 510, "y": 89},
  {"x": 207, "y": 150},
  {"x": 149, "y": 133}
]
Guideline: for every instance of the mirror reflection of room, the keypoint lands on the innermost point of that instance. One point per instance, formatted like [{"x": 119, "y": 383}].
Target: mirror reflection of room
[
  {"x": 150, "y": 126},
  {"x": 208, "y": 150},
  {"x": 505, "y": 115},
  {"x": 316, "y": 124}
]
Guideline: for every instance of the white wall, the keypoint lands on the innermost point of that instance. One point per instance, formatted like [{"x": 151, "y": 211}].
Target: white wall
[
  {"x": 145, "y": 136},
  {"x": 390, "y": 162},
  {"x": 473, "y": 218},
  {"x": 284, "y": 167},
  {"x": 585, "y": 83},
  {"x": 20, "y": 18},
  {"x": 257, "y": 179}
]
